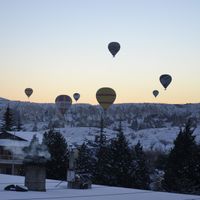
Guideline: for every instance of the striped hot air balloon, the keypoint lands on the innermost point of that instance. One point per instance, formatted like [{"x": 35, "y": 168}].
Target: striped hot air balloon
[{"x": 105, "y": 97}]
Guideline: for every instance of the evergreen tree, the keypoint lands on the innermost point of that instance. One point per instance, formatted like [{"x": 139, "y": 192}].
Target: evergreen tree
[
  {"x": 51, "y": 125},
  {"x": 134, "y": 125},
  {"x": 102, "y": 169},
  {"x": 140, "y": 171},
  {"x": 58, "y": 164},
  {"x": 19, "y": 124},
  {"x": 160, "y": 161},
  {"x": 101, "y": 125},
  {"x": 84, "y": 161},
  {"x": 7, "y": 121},
  {"x": 120, "y": 160},
  {"x": 35, "y": 128},
  {"x": 182, "y": 173}
]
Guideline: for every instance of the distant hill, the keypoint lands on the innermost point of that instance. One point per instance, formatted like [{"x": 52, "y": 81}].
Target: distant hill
[
  {"x": 3, "y": 99},
  {"x": 134, "y": 115},
  {"x": 155, "y": 125}
]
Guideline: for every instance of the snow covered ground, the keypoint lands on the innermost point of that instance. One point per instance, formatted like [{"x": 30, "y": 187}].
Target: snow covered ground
[
  {"x": 55, "y": 191},
  {"x": 152, "y": 139},
  {"x": 155, "y": 125}
]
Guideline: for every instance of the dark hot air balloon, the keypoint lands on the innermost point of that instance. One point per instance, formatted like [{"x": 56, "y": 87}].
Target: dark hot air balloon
[
  {"x": 113, "y": 47},
  {"x": 105, "y": 97},
  {"x": 76, "y": 96},
  {"x": 165, "y": 80},
  {"x": 28, "y": 92},
  {"x": 155, "y": 93},
  {"x": 63, "y": 103}
]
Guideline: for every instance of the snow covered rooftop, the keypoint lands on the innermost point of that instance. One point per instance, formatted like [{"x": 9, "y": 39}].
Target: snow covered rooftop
[
  {"x": 28, "y": 135},
  {"x": 12, "y": 143},
  {"x": 60, "y": 191}
]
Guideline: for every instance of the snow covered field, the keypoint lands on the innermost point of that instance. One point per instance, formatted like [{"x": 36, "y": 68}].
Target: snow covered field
[
  {"x": 151, "y": 139},
  {"x": 55, "y": 191},
  {"x": 155, "y": 125}
]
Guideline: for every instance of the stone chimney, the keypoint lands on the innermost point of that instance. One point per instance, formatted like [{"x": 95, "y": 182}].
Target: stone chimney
[{"x": 35, "y": 173}]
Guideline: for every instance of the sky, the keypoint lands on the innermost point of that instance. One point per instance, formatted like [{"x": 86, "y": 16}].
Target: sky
[{"x": 60, "y": 47}]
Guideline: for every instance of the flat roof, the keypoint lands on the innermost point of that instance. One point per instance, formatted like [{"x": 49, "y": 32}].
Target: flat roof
[{"x": 58, "y": 190}]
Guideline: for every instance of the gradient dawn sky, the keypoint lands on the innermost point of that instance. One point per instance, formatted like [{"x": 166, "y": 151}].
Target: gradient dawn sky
[{"x": 60, "y": 47}]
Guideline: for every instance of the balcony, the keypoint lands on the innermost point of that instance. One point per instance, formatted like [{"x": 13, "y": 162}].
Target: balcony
[{"x": 11, "y": 159}]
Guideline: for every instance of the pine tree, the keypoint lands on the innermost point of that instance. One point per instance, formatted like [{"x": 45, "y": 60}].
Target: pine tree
[
  {"x": 84, "y": 162},
  {"x": 102, "y": 125},
  {"x": 134, "y": 125},
  {"x": 51, "y": 125},
  {"x": 19, "y": 124},
  {"x": 101, "y": 168},
  {"x": 7, "y": 121},
  {"x": 57, "y": 146},
  {"x": 120, "y": 160},
  {"x": 182, "y": 173},
  {"x": 35, "y": 128},
  {"x": 140, "y": 171}
]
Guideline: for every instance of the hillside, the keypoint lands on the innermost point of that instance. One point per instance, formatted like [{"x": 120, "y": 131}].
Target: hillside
[
  {"x": 155, "y": 125},
  {"x": 136, "y": 115}
]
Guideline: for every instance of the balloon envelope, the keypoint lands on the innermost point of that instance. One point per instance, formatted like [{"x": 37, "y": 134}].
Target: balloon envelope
[
  {"x": 165, "y": 80},
  {"x": 113, "y": 47},
  {"x": 105, "y": 97},
  {"x": 28, "y": 92},
  {"x": 155, "y": 93},
  {"x": 76, "y": 96},
  {"x": 63, "y": 103}
]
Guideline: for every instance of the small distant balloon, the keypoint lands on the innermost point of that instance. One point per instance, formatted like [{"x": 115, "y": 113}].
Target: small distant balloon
[
  {"x": 63, "y": 103},
  {"x": 28, "y": 92},
  {"x": 165, "y": 80},
  {"x": 76, "y": 96},
  {"x": 105, "y": 97},
  {"x": 113, "y": 47},
  {"x": 155, "y": 93}
]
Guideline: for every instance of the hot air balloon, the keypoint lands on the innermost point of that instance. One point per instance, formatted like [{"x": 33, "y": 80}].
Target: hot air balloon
[
  {"x": 105, "y": 97},
  {"x": 28, "y": 92},
  {"x": 155, "y": 93},
  {"x": 165, "y": 80},
  {"x": 113, "y": 47},
  {"x": 76, "y": 96},
  {"x": 63, "y": 103}
]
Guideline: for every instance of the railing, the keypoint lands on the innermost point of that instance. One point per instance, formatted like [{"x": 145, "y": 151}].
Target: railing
[
  {"x": 6, "y": 157},
  {"x": 11, "y": 159}
]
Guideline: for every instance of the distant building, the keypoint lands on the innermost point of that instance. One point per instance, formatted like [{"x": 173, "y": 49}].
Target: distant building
[{"x": 11, "y": 158}]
